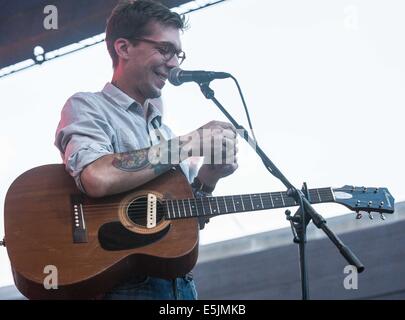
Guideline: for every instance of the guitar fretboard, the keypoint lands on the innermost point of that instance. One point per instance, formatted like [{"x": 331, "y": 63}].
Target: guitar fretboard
[{"x": 211, "y": 206}]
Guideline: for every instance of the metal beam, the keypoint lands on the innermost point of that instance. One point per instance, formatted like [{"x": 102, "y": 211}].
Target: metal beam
[{"x": 22, "y": 25}]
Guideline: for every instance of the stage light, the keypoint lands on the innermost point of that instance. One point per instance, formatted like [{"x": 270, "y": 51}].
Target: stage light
[{"x": 38, "y": 50}]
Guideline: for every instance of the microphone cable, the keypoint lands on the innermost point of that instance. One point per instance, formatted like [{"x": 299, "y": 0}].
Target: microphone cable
[{"x": 246, "y": 108}]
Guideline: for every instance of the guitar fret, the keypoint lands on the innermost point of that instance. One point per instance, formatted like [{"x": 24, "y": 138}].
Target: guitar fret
[
  {"x": 288, "y": 201},
  {"x": 323, "y": 195},
  {"x": 243, "y": 205},
  {"x": 188, "y": 207},
  {"x": 209, "y": 203},
  {"x": 233, "y": 202},
  {"x": 168, "y": 210},
  {"x": 216, "y": 199},
  {"x": 329, "y": 196},
  {"x": 214, "y": 207},
  {"x": 314, "y": 196},
  {"x": 222, "y": 208},
  {"x": 178, "y": 208},
  {"x": 282, "y": 198},
  {"x": 229, "y": 204},
  {"x": 238, "y": 203},
  {"x": 191, "y": 210},
  {"x": 246, "y": 202},
  {"x": 251, "y": 201},
  {"x": 276, "y": 199},
  {"x": 257, "y": 202},
  {"x": 185, "y": 212},
  {"x": 332, "y": 194},
  {"x": 202, "y": 205},
  {"x": 226, "y": 207},
  {"x": 319, "y": 196},
  {"x": 271, "y": 198},
  {"x": 196, "y": 205},
  {"x": 261, "y": 200},
  {"x": 174, "y": 211}
]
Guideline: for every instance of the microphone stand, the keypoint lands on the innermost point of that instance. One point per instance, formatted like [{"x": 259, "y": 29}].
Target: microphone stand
[{"x": 306, "y": 211}]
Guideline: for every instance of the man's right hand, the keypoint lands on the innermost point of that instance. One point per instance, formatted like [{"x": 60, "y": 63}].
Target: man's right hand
[{"x": 215, "y": 141}]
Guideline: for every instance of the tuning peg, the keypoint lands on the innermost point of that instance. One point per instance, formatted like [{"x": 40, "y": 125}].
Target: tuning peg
[
  {"x": 382, "y": 216},
  {"x": 370, "y": 215},
  {"x": 359, "y": 216}
]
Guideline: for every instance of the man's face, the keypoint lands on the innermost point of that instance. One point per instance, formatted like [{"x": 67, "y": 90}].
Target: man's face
[{"x": 147, "y": 69}]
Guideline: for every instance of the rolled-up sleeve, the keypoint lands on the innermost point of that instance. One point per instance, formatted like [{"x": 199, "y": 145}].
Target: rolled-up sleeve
[{"x": 83, "y": 135}]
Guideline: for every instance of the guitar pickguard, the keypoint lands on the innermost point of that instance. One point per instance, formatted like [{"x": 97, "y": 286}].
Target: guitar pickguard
[{"x": 114, "y": 236}]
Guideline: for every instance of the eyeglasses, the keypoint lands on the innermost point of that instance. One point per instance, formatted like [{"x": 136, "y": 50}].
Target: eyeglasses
[{"x": 166, "y": 49}]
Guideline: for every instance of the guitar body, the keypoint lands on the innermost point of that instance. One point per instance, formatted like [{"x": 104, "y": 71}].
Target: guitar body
[{"x": 104, "y": 250}]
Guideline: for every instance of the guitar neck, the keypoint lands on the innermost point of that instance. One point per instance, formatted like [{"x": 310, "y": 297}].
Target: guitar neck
[{"x": 213, "y": 206}]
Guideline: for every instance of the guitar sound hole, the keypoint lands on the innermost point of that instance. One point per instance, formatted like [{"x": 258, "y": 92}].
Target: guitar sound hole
[{"x": 137, "y": 211}]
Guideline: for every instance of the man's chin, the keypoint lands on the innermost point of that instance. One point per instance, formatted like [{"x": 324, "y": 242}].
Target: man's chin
[{"x": 154, "y": 93}]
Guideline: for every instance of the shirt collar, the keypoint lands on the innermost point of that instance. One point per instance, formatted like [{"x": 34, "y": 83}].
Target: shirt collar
[
  {"x": 119, "y": 97},
  {"x": 123, "y": 100},
  {"x": 154, "y": 112}
]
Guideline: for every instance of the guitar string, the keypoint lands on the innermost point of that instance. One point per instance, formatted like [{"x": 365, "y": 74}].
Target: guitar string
[
  {"x": 205, "y": 199},
  {"x": 205, "y": 206},
  {"x": 163, "y": 213},
  {"x": 285, "y": 197},
  {"x": 325, "y": 192}
]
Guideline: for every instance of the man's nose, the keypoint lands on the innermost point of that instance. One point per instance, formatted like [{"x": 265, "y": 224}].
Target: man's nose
[{"x": 173, "y": 62}]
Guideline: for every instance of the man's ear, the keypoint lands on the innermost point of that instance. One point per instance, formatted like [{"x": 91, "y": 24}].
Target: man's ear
[{"x": 121, "y": 46}]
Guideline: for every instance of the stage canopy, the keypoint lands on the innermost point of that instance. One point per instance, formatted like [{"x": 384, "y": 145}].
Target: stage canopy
[{"x": 22, "y": 25}]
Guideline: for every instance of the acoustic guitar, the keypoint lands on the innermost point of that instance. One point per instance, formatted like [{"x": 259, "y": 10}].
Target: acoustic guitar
[{"x": 94, "y": 244}]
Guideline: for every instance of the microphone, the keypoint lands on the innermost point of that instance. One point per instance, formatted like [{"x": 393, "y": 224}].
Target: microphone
[{"x": 178, "y": 76}]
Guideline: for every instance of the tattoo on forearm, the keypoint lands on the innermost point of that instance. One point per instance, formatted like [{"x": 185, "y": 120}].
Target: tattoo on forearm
[
  {"x": 132, "y": 161},
  {"x": 137, "y": 160},
  {"x": 159, "y": 158}
]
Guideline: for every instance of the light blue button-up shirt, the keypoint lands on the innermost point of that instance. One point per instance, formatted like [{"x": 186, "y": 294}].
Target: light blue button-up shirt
[{"x": 96, "y": 124}]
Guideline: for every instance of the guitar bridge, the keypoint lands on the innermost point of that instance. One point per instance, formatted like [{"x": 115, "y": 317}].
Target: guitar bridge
[
  {"x": 151, "y": 211},
  {"x": 78, "y": 223}
]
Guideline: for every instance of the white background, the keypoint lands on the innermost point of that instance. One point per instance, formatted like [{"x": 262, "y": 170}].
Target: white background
[{"x": 324, "y": 82}]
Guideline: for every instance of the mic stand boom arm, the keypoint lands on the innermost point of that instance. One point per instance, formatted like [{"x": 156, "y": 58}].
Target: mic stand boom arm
[{"x": 306, "y": 211}]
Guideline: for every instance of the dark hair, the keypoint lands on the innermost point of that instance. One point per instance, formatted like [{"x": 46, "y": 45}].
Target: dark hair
[{"x": 129, "y": 19}]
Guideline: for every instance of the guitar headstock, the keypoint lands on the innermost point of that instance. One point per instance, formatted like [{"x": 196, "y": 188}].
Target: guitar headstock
[{"x": 365, "y": 199}]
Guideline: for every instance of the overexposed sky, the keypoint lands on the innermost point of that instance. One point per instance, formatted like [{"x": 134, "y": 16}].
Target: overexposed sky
[{"x": 324, "y": 82}]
